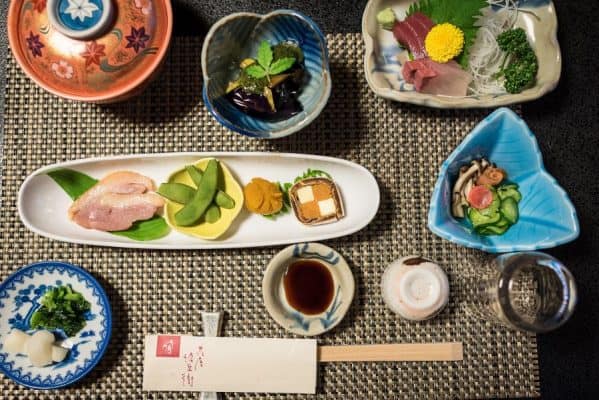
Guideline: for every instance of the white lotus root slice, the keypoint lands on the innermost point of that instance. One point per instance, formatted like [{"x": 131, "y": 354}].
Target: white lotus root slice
[
  {"x": 39, "y": 348},
  {"x": 15, "y": 341},
  {"x": 59, "y": 353}
]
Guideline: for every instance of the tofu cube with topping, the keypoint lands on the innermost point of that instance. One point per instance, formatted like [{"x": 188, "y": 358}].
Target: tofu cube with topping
[{"x": 316, "y": 201}]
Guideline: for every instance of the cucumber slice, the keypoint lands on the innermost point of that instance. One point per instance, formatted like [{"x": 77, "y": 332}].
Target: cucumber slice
[
  {"x": 480, "y": 220},
  {"x": 492, "y": 230},
  {"x": 503, "y": 222},
  {"x": 509, "y": 210},
  {"x": 493, "y": 207},
  {"x": 509, "y": 191}
]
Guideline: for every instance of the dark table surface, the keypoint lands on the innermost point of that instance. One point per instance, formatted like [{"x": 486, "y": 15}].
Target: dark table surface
[{"x": 566, "y": 125}]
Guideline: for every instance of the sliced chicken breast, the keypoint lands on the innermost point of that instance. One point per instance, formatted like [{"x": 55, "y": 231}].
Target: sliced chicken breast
[{"x": 116, "y": 202}]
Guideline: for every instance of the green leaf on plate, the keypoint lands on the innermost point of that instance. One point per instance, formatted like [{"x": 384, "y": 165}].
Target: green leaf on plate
[
  {"x": 281, "y": 65},
  {"x": 264, "y": 54},
  {"x": 461, "y": 13},
  {"x": 256, "y": 71},
  {"x": 150, "y": 229},
  {"x": 76, "y": 183}
]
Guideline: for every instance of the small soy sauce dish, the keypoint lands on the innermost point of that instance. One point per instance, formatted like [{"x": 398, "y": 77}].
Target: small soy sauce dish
[
  {"x": 308, "y": 288},
  {"x": 236, "y": 40}
]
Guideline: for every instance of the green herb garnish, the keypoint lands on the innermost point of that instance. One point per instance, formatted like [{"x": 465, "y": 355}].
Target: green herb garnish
[
  {"x": 61, "y": 308},
  {"x": 265, "y": 66},
  {"x": 312, "y": 173},
  {"x": 284, "y": 187},
  {"x": 521, "y": 71},
  {"x": 461, "y": 13}
]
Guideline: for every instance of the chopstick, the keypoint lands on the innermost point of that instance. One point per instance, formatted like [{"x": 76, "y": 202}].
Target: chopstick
[{"x": 393, "y": 352}]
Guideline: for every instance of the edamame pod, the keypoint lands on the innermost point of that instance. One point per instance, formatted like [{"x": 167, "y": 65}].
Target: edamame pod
[
  {"x": 193, "y": 211},
  {"x": 224, "y": 200},
  {"x": 195, "y": 174},
  {"x": 212, "y": 214},
  {"x": 177, "y": 192}
]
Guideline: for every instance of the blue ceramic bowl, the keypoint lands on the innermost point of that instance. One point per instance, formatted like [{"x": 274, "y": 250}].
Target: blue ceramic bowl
[
  {"x": 547, "y": 217},
  {"x": 20, "y": 296},
  {"x": 238, "y": 36}
]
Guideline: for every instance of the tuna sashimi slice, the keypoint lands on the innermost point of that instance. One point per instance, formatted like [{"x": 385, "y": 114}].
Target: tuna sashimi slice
[
  {"x": 411, "y": 33},
  {"x": 417, "y": 72}
]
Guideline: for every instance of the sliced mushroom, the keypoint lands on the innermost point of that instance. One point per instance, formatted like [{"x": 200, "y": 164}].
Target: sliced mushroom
[{"x": 459, "y": 193}]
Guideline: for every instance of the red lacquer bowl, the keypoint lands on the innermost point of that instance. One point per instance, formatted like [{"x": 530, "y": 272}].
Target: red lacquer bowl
[{"x": 98, "y": 51}]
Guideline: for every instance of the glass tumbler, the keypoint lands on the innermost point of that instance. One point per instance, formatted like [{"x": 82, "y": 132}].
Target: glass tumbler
[{"x": 529, "y": 291}]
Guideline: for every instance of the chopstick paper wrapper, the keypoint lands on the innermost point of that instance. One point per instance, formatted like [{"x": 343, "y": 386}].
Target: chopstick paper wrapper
[{"x": 219, "y": 364}]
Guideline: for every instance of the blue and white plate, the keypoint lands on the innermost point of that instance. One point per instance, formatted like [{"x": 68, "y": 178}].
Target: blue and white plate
[
  {"x": 19, "y": 298},
  {"x": 238, "y": 36},
  {"x": 547, "y": 216},
  {"x": 293, "y": 320}
]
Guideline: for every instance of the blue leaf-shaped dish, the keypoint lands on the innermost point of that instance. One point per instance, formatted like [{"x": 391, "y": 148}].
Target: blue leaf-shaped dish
[
  {"x": 547, "y": 217},
  {"x": 238, "y": 36}
]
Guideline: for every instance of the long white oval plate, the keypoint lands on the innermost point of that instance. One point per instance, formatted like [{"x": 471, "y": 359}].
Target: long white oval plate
[{"x": 43, "y": 204}]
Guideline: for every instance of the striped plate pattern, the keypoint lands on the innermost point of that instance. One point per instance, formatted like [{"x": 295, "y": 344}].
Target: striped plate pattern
[{"x": 238, "y": 36}]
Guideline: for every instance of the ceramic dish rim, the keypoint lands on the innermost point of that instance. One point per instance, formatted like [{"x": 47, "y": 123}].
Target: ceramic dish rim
[
  {"x": 502, "y": 112},
  {"x": 439, "y": 101},
  {"x": 202, "y": 245},
  {"x": 326, "y": 74},
  {"x": 103, "y": 298},
  {"x": 112, "y": 95},
  {"x": 279, "y": 260}
]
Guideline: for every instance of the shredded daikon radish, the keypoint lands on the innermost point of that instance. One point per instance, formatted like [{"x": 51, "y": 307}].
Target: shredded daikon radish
[{"x": 485, "y": 56}]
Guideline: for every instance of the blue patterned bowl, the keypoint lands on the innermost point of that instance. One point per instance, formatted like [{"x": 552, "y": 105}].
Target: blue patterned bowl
[
  {"x": 547, "y": 217},
  {"x": 20, "y": 294},
  {"x": 238, "y": 36},
  {"x": 293, "y": 320}
]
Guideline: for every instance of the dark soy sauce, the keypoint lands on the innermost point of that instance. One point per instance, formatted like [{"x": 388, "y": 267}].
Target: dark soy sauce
[{"x": 309, "y": 286}]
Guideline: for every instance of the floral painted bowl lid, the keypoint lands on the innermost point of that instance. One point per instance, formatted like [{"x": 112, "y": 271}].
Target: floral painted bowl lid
[{"x": 90, "y": 50}]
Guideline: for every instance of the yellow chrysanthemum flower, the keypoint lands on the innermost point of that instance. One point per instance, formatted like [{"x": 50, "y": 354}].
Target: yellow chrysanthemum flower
[{"x": 444, "y": 42}]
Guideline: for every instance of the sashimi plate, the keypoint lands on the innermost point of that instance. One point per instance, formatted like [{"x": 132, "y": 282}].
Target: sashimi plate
[
  {"x": 20, "y": 296},
  {"x": 383, "y": 68},
  {"x": 43, "y": 204}
]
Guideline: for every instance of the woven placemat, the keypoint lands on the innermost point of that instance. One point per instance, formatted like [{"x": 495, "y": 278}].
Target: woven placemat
[{"x": 164, "y": 291}]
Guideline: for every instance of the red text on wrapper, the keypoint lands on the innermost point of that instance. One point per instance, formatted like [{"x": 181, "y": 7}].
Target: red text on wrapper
[{"x": 168, "y": 346}]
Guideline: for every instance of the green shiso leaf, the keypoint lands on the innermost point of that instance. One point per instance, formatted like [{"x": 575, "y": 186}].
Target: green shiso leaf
[
  {"x": 76, "y": 183},
  {"x": 461, "y": 13},
  {"x": 72, "y": 182},
  {"x": 256, "y": 71},
  {"x": 264, "y": 54},
  {"x": 281, "y": 65}
]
